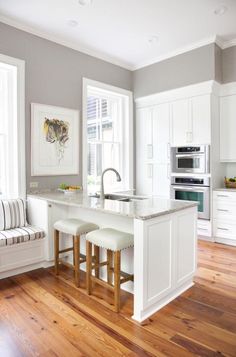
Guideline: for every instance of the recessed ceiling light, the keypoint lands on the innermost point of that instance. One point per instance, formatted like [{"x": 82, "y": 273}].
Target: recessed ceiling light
[
  {"x": 85, "y": 2},
  {"x": 153, "y": 40},
  {"x": 72, "y": 23},
  {"x": 221, "y": 10}
]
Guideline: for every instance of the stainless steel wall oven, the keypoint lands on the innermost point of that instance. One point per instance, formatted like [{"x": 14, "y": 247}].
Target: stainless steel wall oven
[{"x": 193, "y": 189}]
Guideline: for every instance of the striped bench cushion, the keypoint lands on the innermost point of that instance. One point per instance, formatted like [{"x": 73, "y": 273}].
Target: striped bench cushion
[
  {"x": 20, "y": 235},
  {"x": 12, "y": 214}
]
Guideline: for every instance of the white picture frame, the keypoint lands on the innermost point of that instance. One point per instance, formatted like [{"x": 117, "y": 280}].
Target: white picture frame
[{"x": 54, "y": 140}]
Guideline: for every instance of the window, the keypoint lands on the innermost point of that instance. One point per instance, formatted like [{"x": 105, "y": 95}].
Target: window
[
  {"x": 108, "y": 135},
  {"x": 12, "y": 168}
]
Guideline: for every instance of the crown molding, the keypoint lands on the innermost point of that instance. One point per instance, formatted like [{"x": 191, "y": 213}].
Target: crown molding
[
  {"x": 110, "y": 59},
  {"x": 179, "y": 51},
  {"x": 225, "y": 44},
  {"x": 60, "y": 41},
  {"x": 229, "y": 43}
]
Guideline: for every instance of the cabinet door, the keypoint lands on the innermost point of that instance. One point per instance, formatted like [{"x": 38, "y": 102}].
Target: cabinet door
[
  {"x": 228, "y": 128},
  {"x": 161, "y": 180},
  {"x": 144, "y": 178},
  {"x": 161, "y": 133},
  {"x": 144, "y": 139},
  {"x": 144, "y": 151},
  {"x": 201, "y": 120},
  {"x": 180, "y": 123}
]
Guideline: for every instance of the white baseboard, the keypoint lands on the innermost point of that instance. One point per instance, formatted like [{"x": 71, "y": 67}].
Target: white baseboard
[
  {"x": 147, "y": 312},
  {"x": 206, "y": 238}
]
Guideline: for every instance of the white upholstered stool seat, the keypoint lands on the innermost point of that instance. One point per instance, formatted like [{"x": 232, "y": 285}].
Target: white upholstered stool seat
[
  {"x": 111, "y": 239},
  {"x": 74, "y": 226}
]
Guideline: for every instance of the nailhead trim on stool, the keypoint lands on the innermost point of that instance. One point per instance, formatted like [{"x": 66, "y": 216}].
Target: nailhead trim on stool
[
  {"x": 113, "y": 241},
  {"x": 76, "y": 228}
]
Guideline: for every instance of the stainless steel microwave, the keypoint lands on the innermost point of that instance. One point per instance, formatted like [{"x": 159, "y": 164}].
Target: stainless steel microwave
[{"x": 190, "y": 159}]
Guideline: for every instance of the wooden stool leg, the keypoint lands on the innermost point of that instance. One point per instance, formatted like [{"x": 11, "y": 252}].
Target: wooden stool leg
[
  {"x": 76, "y": 258},
  {"x": 88, "y": 267},
  {"x": 73, "y": 238},
  {"x": 97, "y": 260},
  {"x": 109, "y": 266},
  {"x": 117, "y": 280},
  {"x": 56, "y": 251}
]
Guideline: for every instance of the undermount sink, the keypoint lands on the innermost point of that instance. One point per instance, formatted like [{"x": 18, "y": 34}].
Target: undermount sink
[{"x": 119, "y": 198}]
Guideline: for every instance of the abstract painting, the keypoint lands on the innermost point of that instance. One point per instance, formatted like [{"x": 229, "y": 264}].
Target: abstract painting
[{"x": 54, "y": 140}]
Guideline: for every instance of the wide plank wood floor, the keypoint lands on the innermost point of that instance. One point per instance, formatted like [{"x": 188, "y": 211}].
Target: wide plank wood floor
[{"x": 44, "y": 315}]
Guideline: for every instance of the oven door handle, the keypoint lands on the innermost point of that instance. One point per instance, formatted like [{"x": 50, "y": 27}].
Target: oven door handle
[
  {"x": 188, "y": 155},
  {"x": 203, "y": 189}
]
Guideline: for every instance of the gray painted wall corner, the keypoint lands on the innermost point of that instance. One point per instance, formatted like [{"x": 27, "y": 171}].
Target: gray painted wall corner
[
  {"x": 188, "y": 68},
  {"x": 229, "y": 64}
]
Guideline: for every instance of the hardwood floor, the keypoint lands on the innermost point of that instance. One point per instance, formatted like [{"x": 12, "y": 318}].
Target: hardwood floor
[{"x": 44, "y": 315}]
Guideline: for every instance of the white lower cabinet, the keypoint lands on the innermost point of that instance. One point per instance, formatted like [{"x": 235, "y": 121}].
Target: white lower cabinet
[{"x": 224, "y": 216}]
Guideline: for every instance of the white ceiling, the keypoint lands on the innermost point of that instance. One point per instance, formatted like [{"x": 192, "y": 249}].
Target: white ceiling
[{"x": 118, "y": 30}]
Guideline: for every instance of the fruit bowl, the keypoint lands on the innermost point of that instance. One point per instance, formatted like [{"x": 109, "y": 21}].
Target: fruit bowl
[
  {"x": 69, "y": 189},
  {"x": 230, "y": 182}
]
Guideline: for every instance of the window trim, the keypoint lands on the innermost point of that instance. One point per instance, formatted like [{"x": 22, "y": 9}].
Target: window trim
[
  {"x": 21, "y": 170},
  {"x": 128, "y": 140}
]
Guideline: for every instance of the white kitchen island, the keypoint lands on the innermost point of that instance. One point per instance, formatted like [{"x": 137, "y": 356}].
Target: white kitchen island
[{"x": 163, "y": 259}]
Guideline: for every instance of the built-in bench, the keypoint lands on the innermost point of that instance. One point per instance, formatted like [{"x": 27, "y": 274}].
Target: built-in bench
[{"x": 21, "y": 244}]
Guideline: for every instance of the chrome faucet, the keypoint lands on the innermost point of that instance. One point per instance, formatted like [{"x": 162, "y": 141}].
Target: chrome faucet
[{"x": 118, "y": 178}]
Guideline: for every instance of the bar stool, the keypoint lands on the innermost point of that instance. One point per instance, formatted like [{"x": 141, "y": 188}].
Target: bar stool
[
  {"x": 113, "y": 241},
  {"x": 76, "y": 228}
]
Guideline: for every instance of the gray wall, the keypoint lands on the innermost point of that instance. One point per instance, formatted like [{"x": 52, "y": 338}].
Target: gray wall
[
  {"x": 229, "y": 64},
  {"x": 54, "y": 76},
  {"x": 188, "y": 68},
  {"x": 218, "y": 64}
]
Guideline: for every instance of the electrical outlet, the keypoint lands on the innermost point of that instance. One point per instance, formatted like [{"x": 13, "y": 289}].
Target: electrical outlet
[{"x": 34, "y": 184}]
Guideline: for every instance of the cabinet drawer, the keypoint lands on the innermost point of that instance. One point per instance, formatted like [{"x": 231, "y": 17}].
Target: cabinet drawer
[
  {"x": 227, "y": 196},
  {"x": 204, "y": 227},
  {"x": 224, "y": 229},
  {"x": 224, "y": 210}
]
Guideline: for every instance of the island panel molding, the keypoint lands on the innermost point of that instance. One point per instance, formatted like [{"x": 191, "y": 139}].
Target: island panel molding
[{"x": 54, "y": 140}]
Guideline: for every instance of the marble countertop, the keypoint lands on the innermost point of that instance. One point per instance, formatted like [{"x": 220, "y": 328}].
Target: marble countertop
[{"x": 145, "y": 208}]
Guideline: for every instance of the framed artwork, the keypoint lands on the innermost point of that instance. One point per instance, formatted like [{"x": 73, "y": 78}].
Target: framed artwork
[{"x": 54, "y": 140}]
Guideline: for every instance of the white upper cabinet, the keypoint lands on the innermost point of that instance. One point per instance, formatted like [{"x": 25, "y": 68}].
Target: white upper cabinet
[
  {"x": 201, "y": 119},
  {"x": 153, "y": 150},
  {"x": 161, "y": 133},
  {"x": 228, "y": 128},
  {"x": 180, "y": 124},
  {"x": 144, "y": 151},
  {"x": 144, "y": 133},
  {"x": 191, "y": 121}
]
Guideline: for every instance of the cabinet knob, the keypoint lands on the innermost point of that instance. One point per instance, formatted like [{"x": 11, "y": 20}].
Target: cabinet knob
[{"x": 49, "y": 206}]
